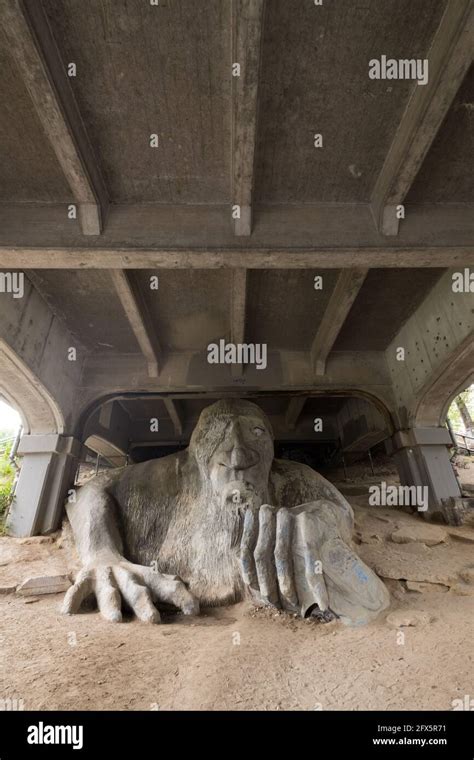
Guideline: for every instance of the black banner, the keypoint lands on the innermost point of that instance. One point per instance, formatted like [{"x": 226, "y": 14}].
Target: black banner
[{"x": 128, "y": 734}]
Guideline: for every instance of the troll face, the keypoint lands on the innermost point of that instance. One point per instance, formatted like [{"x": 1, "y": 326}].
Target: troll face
[{"x": 233, "y": 444}]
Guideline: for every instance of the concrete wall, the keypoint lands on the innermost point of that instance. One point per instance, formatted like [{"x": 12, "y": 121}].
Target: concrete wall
[
  {"x": 35, "y": 346},
  {"x": 438, "y": 334}
]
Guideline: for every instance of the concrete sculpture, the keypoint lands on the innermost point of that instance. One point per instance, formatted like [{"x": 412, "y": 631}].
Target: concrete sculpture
[{"x": 216, "y": 523}]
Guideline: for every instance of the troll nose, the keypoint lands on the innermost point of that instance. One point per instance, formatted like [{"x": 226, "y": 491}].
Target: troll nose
[
  {"x": 239, "y": 458},
  {"x": 236, "y": 454}
]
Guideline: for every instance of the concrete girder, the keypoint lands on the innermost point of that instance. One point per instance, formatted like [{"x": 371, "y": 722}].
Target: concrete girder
[
  {"x": 449, "y": 59},
  {"x": 285, "y": 237},
  {"x": 247, "y": 35},
  {"x": 293, "y": 412},
  {"x": 34, "y": 48},
  {"x": 173, "y": 410},
  {"x": 347, "y": 288},
  {"x": 238, "y": 312},
  {"x": 139, "y": 319}
]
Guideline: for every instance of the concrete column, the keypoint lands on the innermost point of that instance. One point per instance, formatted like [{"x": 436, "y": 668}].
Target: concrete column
[
  {"x": 422, "y": 459},
  {"x": 47, "y": 470}
]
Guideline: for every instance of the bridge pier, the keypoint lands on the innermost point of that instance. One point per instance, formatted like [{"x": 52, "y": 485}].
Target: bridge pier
[
  {"x": 422, "y": 459},
  {"x": 47, "y": 470}
]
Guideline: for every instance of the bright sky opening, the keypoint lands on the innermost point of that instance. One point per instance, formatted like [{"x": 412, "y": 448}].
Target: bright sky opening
[{"x": 10, "y": 420}]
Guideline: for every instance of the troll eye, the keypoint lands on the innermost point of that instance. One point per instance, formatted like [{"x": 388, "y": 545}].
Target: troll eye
[{"x": 258, "y": 431}]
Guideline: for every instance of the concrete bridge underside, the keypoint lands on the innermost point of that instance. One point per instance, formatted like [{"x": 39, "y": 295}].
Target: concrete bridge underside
[{"x": 157, "y": 204}]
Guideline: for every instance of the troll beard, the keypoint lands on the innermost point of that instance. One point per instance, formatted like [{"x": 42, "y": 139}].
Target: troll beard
[
  {"x": 202, "y": 545},
  {"x": 241, "y": 495},
  {"x": 216, "y": 576}
]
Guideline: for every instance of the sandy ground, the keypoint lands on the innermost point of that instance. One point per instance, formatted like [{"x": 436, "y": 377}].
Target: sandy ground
[{"x": 246, "y": 659}]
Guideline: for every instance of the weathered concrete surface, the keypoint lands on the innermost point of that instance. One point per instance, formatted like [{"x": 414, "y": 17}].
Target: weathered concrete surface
[
  {"x": 189, "y": 50},
  {"x": 334, "y": 47},
  {"x": 43, "y": 73},
  {"x": 437, "y": 335},
  {"x": 184, "y": 49},
  {"x": 390, "y": 293},
  {"x": 442, "y": 175}
]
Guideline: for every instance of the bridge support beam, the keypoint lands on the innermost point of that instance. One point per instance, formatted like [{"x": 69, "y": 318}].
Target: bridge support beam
[
  {"x": 422, "y": 458},
  {"x": 47, "y": 471}
]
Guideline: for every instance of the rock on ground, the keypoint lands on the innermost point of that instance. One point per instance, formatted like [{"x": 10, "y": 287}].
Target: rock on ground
[
  {"x": 422, "y": 587},
  {"x": 463, "y": 535},
  {"x": 405, "y": 618},
  {"x": 467, "y": 574},
  {"x": 44, "y": 584},
  {"x": 463, "y": 589},
  {"x": 423, "y": 533}
]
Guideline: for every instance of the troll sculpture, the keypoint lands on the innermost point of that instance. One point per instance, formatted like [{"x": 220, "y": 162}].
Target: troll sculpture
[{"x": 216, "y": 523}]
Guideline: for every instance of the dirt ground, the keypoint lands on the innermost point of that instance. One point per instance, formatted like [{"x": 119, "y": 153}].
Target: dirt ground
[{"x": 246, "y": 659}]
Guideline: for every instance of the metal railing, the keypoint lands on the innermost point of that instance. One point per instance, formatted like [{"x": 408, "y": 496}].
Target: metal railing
[
  {"x": 464, "y": 441},
  {"x": 5, "y": 444}
]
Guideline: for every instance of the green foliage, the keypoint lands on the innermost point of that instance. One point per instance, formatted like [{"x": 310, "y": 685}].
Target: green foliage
[
  {"x": 455, "y": 417},
  {"x": 5, "y": 493},
  {"x": 7, "y": 475},
  {"x": 454, "y": 413},
  {"x": 7, "y": 470}
]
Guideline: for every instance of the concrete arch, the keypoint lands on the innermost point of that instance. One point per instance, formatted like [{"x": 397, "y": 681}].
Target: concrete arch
[
  {"x": 107, "y": 450},
  {"x": 23, "y": 390},
  {"x": 432, "y": 406},
  {"x": 378, "y": 401},
  {"x": 91, "y": 407}
]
